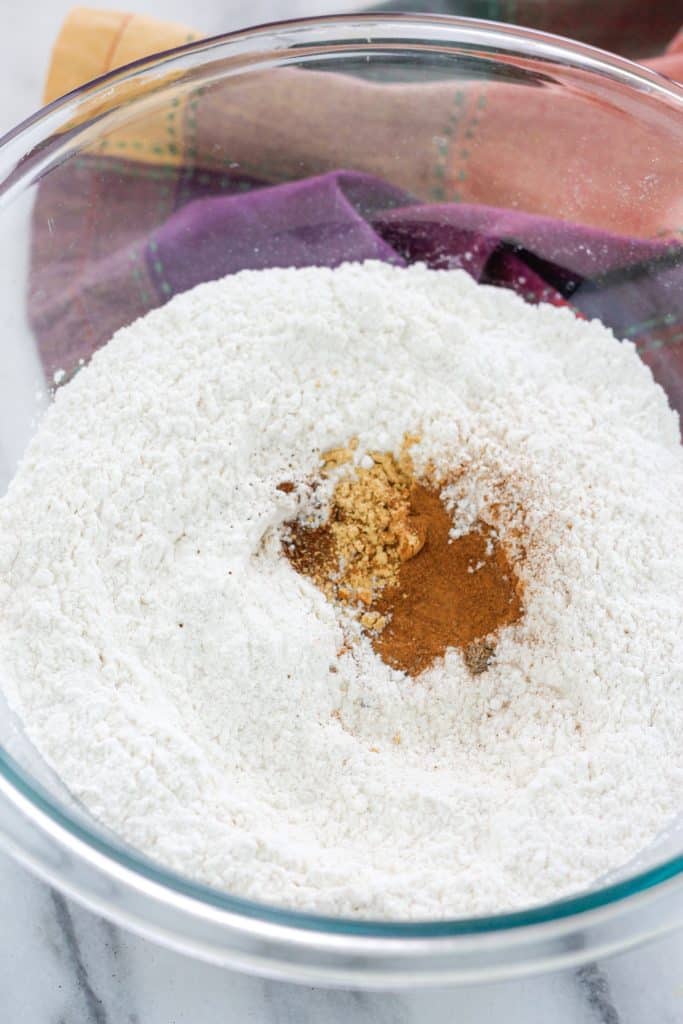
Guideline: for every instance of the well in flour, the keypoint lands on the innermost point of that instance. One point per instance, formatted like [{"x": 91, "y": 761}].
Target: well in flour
[{"x": 385, "y": 553}]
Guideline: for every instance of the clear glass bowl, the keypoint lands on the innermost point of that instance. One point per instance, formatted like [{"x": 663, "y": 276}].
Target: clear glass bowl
[{"x": 280, "y": 78}]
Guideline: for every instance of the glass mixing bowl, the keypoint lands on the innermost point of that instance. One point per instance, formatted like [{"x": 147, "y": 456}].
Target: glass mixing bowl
[{"x": 272, "y": 105}]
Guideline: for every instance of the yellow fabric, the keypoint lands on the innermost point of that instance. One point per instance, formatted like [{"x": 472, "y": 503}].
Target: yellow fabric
[{"x": 93, "y": 42}]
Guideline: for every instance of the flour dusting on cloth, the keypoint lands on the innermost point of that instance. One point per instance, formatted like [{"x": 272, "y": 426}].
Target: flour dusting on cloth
[{"x": 239, "y": 719}]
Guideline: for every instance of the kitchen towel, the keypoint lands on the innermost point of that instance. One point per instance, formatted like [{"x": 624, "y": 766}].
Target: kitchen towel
[{"x": 201, "y": 188}]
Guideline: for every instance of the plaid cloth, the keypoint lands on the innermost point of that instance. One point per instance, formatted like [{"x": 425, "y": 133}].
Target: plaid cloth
[
  {"x": 632, "y": 27},
  {"x": 163, "y": 203}
]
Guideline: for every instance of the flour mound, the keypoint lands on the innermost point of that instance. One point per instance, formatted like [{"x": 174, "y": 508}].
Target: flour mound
[{"x": 204, "y": 700}]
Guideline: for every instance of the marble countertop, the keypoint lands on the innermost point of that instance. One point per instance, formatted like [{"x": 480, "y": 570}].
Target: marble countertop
[{"x": 61, "y": 964}]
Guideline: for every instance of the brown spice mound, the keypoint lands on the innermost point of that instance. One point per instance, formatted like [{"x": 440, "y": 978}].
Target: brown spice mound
[
  {"x": 453, "y": 594},
  {"x": 385, "y": 549}
]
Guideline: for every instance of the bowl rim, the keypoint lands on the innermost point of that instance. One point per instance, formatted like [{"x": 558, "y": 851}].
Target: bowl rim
[
  {"x": 275, "y": 39},
  {"x": 548, "y": 44}
]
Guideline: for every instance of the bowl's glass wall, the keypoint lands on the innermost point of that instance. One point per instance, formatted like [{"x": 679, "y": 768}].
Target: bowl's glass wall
[
  {"x": 449, "y": 113},
  {"x": 449, "y": 122}
]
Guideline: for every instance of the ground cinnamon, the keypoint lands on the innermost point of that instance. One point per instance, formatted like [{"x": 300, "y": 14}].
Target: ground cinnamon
[
  {"x": 385, "y": 550},
  {"x": 453, "y": 593}
]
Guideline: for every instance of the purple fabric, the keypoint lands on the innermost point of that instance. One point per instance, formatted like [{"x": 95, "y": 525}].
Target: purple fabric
[
  {"x": 147, "y": 235},
  {"x": 315, "y": 222},
  {"x": 578, "y": 250}
]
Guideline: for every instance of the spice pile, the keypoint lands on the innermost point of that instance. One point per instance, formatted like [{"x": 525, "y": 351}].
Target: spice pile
[
  {"x": 386, "y": 550},
  {"x": 427, "y": 672}
]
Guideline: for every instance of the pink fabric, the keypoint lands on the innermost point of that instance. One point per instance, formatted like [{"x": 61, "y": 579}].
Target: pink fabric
[{"x": 671, "y": 62}]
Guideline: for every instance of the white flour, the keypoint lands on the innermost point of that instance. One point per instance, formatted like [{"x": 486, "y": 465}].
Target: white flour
[{"x": 176, "y": 671}]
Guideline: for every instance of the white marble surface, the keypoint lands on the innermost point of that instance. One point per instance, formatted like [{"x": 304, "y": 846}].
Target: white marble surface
[
  {"x": 62, "y": 965},
  {"x": 59, "y": 964}
]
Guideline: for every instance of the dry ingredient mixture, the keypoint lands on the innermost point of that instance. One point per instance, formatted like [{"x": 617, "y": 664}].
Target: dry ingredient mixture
[
  {"x": 357, "y": 590},
  {"x": 386, "y": 548}
]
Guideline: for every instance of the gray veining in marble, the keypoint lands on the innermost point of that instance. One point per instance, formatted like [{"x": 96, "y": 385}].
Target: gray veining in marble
[
  {"x": 63, "y": 965},
  {"x": 595, "y": 987}
]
